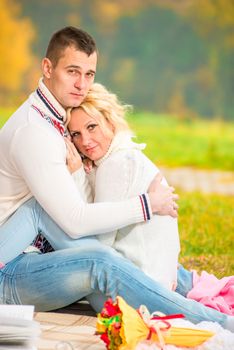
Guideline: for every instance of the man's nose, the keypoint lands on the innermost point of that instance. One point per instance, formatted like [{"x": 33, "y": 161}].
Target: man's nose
[{"x": 80, "y": 82}]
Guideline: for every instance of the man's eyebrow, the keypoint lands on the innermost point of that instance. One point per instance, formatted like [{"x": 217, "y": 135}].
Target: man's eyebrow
[
  {"x": 73, "y": 66},
  {"x": 78, "y": 67}
]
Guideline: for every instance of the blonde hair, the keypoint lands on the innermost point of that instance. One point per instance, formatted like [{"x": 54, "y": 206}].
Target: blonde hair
[{"x": 101, "y": 103}]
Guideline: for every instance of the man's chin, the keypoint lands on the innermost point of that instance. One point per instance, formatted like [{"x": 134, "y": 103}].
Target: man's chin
[
  {"x": 77, "y": 102},
  {"x": 73, "y": 103}
]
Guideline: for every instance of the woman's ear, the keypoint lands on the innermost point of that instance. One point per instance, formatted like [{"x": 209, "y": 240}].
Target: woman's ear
[{"x": 111, "y": 125}]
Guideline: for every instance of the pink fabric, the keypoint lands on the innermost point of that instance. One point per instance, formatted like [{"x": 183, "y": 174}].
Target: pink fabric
[
  {"x": 1, "y": 265},
  {"x": 213, "y": 292}
]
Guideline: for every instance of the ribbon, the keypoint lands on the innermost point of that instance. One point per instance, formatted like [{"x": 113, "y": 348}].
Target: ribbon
[{"x": 157, "y": 323}]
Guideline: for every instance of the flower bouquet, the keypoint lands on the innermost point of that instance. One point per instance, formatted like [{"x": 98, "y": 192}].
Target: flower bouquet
[{"x": 121, "y": 328}]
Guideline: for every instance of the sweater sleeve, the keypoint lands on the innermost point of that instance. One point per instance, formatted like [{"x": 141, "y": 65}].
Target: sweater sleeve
[
  {"x": 39, "y": 156},
  {"x": 112, "y": 183}
]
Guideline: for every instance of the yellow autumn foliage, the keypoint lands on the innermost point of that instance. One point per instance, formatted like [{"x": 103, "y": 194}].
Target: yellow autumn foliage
[{"x": 16, "y": 35}]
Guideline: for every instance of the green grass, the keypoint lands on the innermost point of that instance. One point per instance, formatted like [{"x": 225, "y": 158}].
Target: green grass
[
  {"x": 197, "y": 143},
  {"x": 206, "y": 228}
]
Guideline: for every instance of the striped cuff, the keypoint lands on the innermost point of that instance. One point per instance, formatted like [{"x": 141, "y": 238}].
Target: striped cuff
[{"x": 145, "y": 207}]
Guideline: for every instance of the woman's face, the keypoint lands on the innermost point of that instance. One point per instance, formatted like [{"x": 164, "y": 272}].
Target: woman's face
[{"x": 89, "y": 137}]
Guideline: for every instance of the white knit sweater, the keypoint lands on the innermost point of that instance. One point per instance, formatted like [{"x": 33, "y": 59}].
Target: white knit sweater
[
  {"x": 154, "y": 246},
  {"x": 33, "y": 163}
]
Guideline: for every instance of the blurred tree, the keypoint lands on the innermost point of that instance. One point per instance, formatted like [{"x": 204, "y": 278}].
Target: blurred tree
[
  {"x": 214, "y": 21},
  {"x": 16, "y": 36},
  {"x": 153, "y": 58},
  {"x": 159, "y": 55},
  {"x": 209, "y": 16},
  {"x": 48, "y": 17}
]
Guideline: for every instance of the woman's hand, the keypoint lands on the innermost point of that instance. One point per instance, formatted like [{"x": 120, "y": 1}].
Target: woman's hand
[
  {"x": 162, "y": 198},
  {"x": 73, "y": 159},
  {"x": 88, "y": 165}
]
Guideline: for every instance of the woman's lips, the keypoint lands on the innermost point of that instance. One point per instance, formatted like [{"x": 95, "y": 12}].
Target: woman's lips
[{"x": 90, "y": 149}]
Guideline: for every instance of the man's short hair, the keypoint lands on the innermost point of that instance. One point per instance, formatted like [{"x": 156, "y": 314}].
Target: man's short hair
[{"x": 69, "y": 36}]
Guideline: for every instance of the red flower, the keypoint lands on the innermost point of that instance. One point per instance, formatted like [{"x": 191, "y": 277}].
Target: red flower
[
  {"x": 104, "y": 337},
  {"x": 110, "y": 309}
]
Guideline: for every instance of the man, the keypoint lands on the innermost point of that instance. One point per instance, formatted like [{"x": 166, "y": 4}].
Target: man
[
  {"x": 33, "y": 151},
  {"x": 38, "y": 194}
]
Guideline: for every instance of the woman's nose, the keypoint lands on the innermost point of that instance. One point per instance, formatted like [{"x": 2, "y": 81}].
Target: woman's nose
[{"x": 85, "y": 139}]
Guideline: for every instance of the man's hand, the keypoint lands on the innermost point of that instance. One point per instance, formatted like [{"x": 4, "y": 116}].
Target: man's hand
[
  {"x": 162, "y": 198},
  {"x": 73, "y": 159}
]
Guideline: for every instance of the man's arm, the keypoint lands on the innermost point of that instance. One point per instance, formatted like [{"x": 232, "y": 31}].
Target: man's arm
[{"x": 40, "y": 157}]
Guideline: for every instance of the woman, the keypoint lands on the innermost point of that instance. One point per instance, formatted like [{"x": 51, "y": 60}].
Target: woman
[{"x": 100, "y": 132}]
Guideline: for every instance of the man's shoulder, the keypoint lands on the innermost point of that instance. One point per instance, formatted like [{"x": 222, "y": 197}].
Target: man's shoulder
[
  {"x": 25, "y": 121},
  {"x": 22, "y": 112},
  {"x": 17, "y": 119}
]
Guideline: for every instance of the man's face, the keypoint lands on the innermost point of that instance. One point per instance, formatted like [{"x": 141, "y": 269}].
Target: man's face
[{"x": 70, "y": 80}]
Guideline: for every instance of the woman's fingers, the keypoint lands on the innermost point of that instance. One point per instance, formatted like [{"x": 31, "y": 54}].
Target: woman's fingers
[
  {"x": 175, "y": 206},
  {"x": 73, "y": 158}
]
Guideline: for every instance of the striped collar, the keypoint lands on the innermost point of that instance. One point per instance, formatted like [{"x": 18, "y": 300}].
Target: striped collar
[{"x": 50, "y": 103}]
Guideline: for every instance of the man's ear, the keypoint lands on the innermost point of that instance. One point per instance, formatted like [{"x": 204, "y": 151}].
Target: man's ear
[{"x": 46, "y": 66}]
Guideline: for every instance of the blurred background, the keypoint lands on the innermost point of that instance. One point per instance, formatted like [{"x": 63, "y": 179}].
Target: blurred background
[
  {"x": 173, "y": 60},
  {"x": 174, "y": 56}
]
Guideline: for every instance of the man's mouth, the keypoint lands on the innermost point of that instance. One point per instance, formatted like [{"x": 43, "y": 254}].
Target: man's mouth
[{"x": 75, "y": 94}]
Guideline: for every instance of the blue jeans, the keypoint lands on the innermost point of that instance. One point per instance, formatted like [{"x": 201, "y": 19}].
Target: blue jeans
[
  {"x": 85, "y": 268},
  {"x": 19, "y": 231}
]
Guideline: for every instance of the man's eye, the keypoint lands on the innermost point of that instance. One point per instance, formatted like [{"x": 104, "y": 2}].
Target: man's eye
[
  {"x": 72, "y": 71},
  {"x": 90, "y": 74}
]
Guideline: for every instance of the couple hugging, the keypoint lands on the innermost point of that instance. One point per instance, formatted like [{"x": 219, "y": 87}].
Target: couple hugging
[{"x": 72, "y": 228}]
